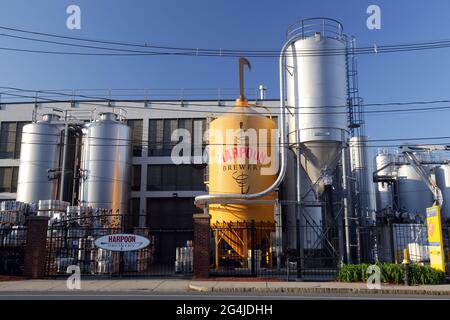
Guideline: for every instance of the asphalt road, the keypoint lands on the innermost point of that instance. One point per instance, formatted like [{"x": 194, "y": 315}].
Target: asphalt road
[{"x": 139, "y": 295}]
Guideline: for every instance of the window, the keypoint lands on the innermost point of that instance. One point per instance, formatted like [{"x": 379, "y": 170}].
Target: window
[
  {"x": 170, "y": 212},
  {"x": 155, "y": 137},
  {"x": 170, "y": 125},
  {"x": 136, "y": 136},
  {"x": 160, "y": 134},
  {"x": 10, "y": 139},
  {"x": 136, "y": 178},
  {"x": 175, "y": 177},
  {"x": 8, "y": 179},
  {"x": 133, "y": 219}
]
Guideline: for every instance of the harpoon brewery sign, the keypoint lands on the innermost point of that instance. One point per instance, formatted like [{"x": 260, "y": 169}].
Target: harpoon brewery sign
[{"x": 122, "y": 242}]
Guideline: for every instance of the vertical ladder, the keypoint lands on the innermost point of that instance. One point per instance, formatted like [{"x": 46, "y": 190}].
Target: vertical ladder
[{"x": 355, "y": 118}]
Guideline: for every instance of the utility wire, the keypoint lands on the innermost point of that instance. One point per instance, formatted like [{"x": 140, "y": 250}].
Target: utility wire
[
  {"x": 297, "y": 54},
  {"x": 209, "y": 52},
  {"x": 142, "y": 143}
]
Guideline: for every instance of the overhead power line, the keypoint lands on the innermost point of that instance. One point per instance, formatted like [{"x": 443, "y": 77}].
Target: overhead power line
[
  {"x": 140, "y": 142},
  {"x": 180, "y": 51}
]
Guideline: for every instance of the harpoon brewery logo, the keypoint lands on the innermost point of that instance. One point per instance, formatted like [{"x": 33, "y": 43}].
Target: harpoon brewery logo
[
  {"x": 122, "y": 242},
  {"x": 247, "y": 158},
  {"x": 231, "y": 148}
]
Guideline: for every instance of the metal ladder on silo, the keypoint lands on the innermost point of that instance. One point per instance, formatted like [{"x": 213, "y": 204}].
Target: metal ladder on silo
[
  {"x": 354, "y": 102},
  {"x": 356, "y": 123}
]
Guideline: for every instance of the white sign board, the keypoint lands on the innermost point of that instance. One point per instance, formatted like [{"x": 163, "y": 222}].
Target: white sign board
[{"x": 122, "y": 242}]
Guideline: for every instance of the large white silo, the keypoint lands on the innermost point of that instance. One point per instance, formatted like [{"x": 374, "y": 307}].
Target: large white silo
[
  {"x": 442, "y": 174},
  {"x": 414, "y": 195},
  {"x": 314, "y": 77},
  {"x": 316, "y": 81},
  {"x": 40, "y": 160},
  {"x": 106, "y": 164}
]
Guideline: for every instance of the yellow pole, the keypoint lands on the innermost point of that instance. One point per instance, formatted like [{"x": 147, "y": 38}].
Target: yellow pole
[{"x": 405, "y": 256}]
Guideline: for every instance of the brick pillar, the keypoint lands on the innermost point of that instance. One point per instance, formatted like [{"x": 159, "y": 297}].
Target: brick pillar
[
  {"x": 36, "y": 247},
  {"x": 201, "y": 245}
]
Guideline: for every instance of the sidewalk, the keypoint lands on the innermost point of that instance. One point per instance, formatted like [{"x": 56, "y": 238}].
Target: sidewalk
[
  {"x": 174, "y": 285},
  {"x": 156, "y": 285}
]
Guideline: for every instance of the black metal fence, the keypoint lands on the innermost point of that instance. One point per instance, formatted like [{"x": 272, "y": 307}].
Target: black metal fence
[
  {"x": 238, "y": 249},
  {"x": 386, "y": 243},
  {"x": 72, "y": 242},
  {"x": 250, "y": 249},
  {"x": 12, "y": 247}
]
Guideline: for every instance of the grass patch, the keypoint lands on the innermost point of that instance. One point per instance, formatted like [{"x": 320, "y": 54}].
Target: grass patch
[{"x": 391, "y": 273}]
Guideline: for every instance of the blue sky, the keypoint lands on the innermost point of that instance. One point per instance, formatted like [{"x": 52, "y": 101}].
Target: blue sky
[{"x": 235, "y": 24}]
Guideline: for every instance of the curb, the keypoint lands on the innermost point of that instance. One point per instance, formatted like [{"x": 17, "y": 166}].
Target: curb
[{"x": 323, "y": 290}]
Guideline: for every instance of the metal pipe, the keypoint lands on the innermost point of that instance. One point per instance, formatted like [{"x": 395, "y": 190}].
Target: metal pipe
[
  {"x": 262, "y": 92},
  {"x": 346, "y": 204},
  {"x": 278, "y": 234},
  {"x": 210, "y": 198},
  {"x": 299, "y": 212},
  {"x": 62, "y": 186}
]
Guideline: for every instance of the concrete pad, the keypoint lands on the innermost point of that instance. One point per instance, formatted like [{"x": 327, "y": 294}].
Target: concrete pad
[
  {"x": 173, "y": 285},
  {"x": 141, "y": 284},
  {"x": 97, "y": 285},
  {"x": 238, "y": 284},
  {"x": 292, "y": 285},
  {"x": 28, "y": 285},
  {"x": 202, "y": 286}
]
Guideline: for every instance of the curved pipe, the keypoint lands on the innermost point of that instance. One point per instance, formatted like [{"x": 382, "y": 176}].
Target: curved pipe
[{"x": 211, "y": 198}]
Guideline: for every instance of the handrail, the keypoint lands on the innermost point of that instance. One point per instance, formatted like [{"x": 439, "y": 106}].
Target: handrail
[{"x": 328, "y": 27}]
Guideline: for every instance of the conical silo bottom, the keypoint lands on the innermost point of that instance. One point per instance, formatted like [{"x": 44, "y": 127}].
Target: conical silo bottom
[{"x": 318, "y": 157}]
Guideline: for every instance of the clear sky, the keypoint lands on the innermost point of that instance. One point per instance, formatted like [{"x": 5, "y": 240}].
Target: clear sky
[{"x": 421, "y": 75}]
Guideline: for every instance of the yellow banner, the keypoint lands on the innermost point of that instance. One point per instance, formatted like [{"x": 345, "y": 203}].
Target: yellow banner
[{"x": 436, "y": 248}]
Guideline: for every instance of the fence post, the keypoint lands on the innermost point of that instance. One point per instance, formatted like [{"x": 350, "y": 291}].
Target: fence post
[
  {"x": 36, "y": 247},
  {"x": 253, "y": 240},
  {"x": 391, "y": 241},
  {"x": 201, "y": 245}
]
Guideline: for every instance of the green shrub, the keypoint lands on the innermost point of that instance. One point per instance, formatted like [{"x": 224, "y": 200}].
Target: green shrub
[{"x": 391, "y": 273}]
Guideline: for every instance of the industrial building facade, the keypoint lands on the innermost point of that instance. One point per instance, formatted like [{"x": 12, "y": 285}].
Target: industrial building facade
[{"x": 101, "y": 160}]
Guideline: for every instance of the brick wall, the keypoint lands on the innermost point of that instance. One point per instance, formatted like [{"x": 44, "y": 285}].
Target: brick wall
[
  {"x": 36, "y": 247},
  {"x": 201, "y": 245}
]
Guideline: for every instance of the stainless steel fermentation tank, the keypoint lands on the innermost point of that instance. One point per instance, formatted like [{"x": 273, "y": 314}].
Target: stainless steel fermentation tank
[
  {"x": 106, "y": 164},
  {"x": 413, "y": 193},
  {"x": 317, "y": 94},
  {"x": 385, "y": 162},
  {"x": 363, "y": 186},
  {"x": 400, "y": 188},
  {"x": 442, "y": 174},
  {"x": 40, "y": 160},
  {"x": 49, "y": 156}
]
